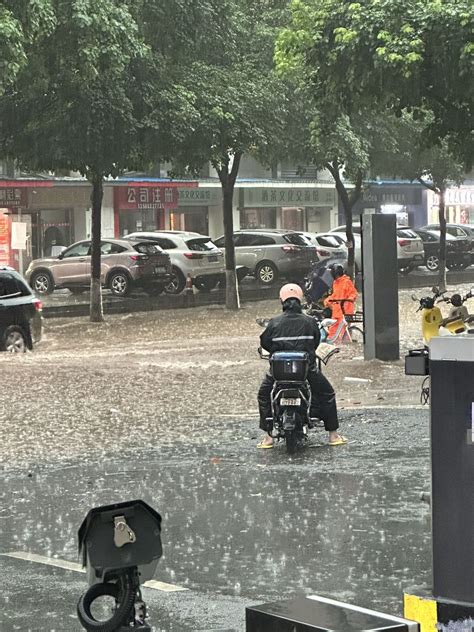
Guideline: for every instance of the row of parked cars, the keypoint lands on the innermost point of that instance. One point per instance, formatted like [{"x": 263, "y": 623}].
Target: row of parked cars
[
  {"x": 163, "y": 261},
  {"x": 420, "y": 246},
  {"x": 166, "y": 260}
]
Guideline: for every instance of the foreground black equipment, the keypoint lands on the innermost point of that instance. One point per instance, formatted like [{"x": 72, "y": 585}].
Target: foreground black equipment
[{"x": 120, "y": 546}]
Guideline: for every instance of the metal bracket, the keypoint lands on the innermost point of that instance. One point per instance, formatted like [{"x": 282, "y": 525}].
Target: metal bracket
[{"x": 123, "y": 534}]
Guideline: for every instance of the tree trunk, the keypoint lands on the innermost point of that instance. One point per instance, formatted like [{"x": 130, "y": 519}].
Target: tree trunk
[
  {"x": 232, "y": 300},
  {"x": 348, "y": 203},
  {"x": 96, "y": 311},
  {"x": 442, "y": 240}
]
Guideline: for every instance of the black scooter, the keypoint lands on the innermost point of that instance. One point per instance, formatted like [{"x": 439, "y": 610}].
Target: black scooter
[{"x": 290, "y": 397}]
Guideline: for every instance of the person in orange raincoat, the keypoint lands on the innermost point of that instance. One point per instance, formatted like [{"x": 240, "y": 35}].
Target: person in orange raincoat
[{"x": 342, "y": 289}]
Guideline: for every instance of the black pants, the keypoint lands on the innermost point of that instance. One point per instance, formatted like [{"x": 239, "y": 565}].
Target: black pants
[{"x": 323, "y": 401}]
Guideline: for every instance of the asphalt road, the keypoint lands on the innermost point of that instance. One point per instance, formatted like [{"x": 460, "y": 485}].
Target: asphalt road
[
  {"x": 240, "y": 527},
  {"x": 161, "y": 406}
]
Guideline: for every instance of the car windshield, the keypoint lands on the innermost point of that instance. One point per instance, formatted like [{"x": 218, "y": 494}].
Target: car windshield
[
  {"x": 297, "y": 239},
  {"x": 329, "y": 241},
  {"x": 11, "y": 286},
  {"x": 407, "y": 233},
  {"x": 147, "y": 248},
  {"x": 201, "y": 244}
]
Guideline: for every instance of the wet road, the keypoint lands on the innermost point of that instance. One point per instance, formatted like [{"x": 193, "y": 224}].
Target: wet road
[
  {"x": 161, "y": 406},
  {"x": 239, "y": 526}
]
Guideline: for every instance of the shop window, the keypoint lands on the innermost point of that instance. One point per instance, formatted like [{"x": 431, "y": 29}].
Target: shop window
[{"x": 258, "y": 218}]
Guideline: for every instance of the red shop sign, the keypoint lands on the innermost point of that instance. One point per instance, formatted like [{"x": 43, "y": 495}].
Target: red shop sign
[
  {"x": 140, "y": 197},
  {"x": 12, "y": 197}
]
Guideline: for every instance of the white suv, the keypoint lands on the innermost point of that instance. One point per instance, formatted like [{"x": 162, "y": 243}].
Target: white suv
[
  {"x": 410, "y": 250},
  {"x": 191, "y": 255}
]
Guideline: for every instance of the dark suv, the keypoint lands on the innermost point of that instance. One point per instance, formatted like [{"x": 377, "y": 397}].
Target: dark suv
[
  {"x": 272, "y": 253},
  {"x": 20, "y": 313}
]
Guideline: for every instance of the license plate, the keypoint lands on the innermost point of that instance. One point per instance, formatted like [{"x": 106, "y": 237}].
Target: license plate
[
  {"x": 290, "y": 401},
  {"x": 212, "y": 258},
  {"x": 160, "y": 269}
]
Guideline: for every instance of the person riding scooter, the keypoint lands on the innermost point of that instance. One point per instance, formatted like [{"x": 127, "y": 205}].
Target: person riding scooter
[
  {"x": 294, "y": 331},
  {"x": 342, "y": 298}
]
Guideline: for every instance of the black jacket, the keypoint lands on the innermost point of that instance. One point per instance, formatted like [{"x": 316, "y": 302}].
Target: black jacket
[{"x": 292, "y": 331}]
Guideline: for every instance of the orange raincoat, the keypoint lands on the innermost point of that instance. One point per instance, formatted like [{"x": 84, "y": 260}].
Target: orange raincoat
[{"x": 342, "y": 288}]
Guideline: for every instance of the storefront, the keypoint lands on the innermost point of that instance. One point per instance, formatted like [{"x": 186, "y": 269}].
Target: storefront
[
  {"x": 15, "y": 228},
  {"x": 150, "y": 206},
  {"x": 406, "y": 201},
  {"x": 291, "y": 208},
  {"x": 459, "y": 203}
]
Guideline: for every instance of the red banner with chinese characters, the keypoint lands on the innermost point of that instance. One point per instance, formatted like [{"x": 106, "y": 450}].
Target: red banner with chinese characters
[
  {"x": 146, "y": 197},
  {"x": 12, "y": 197},
  {"x": 5, "y": 230}
]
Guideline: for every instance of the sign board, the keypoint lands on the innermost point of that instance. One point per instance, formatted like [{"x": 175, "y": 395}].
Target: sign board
[
  {"x": 200, "y": 197},
  {"x": 291, "y": 197},
  {"x": 12, "y": 197},
  {"x": 18, "y": 235},
  {"x": 142, "y": 198}
]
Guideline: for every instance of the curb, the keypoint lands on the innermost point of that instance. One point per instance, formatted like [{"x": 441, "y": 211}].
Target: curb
[{"x": 144, "y": 303}]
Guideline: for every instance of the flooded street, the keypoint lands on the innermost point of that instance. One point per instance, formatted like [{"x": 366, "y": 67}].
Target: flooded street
[{"x": 162, "y": 406}]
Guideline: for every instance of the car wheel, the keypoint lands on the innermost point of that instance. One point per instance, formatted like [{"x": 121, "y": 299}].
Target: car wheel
[
  {"x": 119, "y": 283},
  {"x": 14, "y": 340},
  {"x": 266, "y": 273},
  {"x": 177, "y": 282},
  {"x": 42, "y": 282},
  {"x": 205, "y": 285},
  {"x": 432, "y": 263}
]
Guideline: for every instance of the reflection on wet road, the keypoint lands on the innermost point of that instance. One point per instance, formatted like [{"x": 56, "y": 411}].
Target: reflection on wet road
[{"x": 239, "y": 527}]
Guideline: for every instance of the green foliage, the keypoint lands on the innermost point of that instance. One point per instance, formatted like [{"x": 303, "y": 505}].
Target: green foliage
[
  {"x": 72, "y": 106},
  {"x": 395, "y": 53}
]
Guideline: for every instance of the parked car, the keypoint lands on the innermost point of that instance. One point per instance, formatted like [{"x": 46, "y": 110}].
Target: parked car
[
  {"x": 410, "y": 252},
  {"x": 457, "y": 250},
  {"x": 125, "y": 264},
  {"x": 21, "y": 318},
  {"x": 460, "y": 231},
  {"x": 272, "y": 253},
  {"x": 192, "y": 254},
  {"x": 328, "y": 245}
]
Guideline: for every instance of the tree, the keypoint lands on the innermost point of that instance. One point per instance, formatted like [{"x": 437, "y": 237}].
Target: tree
[
  {"x": 384, "y": 56},
  {"x": 232, "y": 98},
  {"x": 21, "y": 23},
  {"x": 433, "y": 165},
  {"x": 72, "y": 106}
]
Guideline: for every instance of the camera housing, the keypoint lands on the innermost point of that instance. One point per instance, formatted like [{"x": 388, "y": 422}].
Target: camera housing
[{"x": 121, "y": 536}]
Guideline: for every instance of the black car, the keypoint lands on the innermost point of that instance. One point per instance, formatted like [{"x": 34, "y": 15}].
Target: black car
[
  {"x": 457, "y": 250},
  {"x": 20, "y": 313},
  {"x": 460, "y": 231}
]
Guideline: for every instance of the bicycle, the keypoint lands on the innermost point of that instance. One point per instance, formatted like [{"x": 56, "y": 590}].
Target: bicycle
[{"x": 350, "y": 327}]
